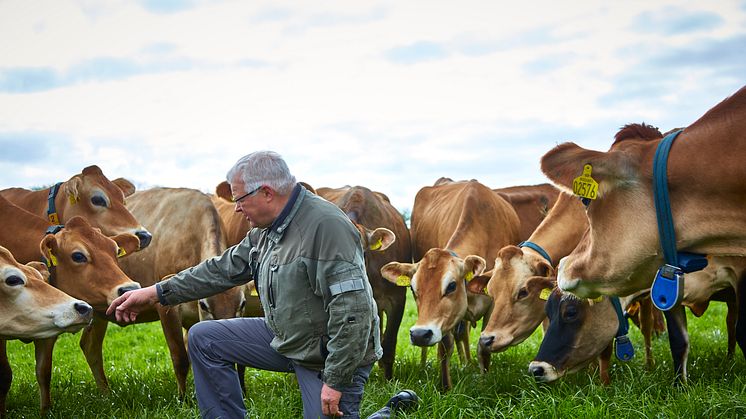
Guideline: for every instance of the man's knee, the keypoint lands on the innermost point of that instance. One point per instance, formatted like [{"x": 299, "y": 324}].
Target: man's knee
[{"x": 198, "y": 336}]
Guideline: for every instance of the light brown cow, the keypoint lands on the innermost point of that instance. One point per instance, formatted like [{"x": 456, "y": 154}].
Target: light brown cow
[
  {"x": 90, "y": 195},
  {"x": 531, "y": 202},
  {"x": 707, "y": 196},
  {"x": 186, "y": 230},
  {"x": 373, "y": 209},
  {"x": 30, "y": 309},
  {"x": 455, "y": 227}
]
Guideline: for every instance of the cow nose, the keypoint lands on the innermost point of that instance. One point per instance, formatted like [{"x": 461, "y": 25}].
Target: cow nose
[
  {"x": 83, "y": 309},
  {"x": 486, "y": 341},
  {"x": 537, "y": 371},
  {"x": 420, "y": 336},
  {"x": 122, "y": 290},
  {"x": 145, "y": 238}
]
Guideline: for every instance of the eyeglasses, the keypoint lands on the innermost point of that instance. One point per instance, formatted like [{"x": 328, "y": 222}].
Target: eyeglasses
[{"x": 242, "y": 197}]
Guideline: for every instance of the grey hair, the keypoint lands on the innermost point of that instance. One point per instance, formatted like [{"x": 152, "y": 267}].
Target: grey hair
[{"x": 263, "y": 168}]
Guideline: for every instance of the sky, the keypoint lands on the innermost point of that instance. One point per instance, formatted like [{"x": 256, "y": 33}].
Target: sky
[{"x": 390, "y": 95}]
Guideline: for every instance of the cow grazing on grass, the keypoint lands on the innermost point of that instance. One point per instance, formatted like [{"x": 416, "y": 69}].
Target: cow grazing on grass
[
  {"x": 373, "y": 209},
  {"x": 90, "y": 195},
  {"x": 31, "y": 309},
  {"x": 455, "y": 227},
  {"x": 186, "y": 230}
]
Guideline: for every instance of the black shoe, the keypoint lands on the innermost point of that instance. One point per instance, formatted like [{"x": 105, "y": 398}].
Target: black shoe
[{"x": 403, "y": 400}]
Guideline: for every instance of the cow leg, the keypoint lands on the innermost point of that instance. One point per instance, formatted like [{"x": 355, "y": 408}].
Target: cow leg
[
  {"x": 92, "y": 345},
  {"x": 171, "y": 325},
  {"x": 393, "y": 321},
  {"x": 445, "y": 350},
  {"x": 604, "y": 360},
  {"x": 461, "y": 336},
  {"x": 6, "y": 376},
  {"x": 731, "y": 318},
  {"x": 43, "y": 349},
  {"x": 484, "y": 356},
  {"x": 741, "y": 321},
  {"x": 646, "y": 328},
  {"x": 678, "y": 340},
  {"x": 423, "y": 357}
]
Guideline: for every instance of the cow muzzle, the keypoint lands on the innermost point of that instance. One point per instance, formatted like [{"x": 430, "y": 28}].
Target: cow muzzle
[
  {"x": 424, "y": 336},
  {"x": 543, "y": 372},
  {"x": 145, "y": 238}
]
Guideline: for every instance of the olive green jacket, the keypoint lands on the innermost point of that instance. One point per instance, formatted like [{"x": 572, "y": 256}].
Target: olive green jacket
[{"x": 310, "y": 275}]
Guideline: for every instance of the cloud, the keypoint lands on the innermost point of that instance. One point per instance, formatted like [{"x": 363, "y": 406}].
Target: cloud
[
  {"x": 548, "y": 63},
  {"x": 167, "y": 6},
  {"x": 675, "y": 21},
  {"x": 416, "y": 53}
]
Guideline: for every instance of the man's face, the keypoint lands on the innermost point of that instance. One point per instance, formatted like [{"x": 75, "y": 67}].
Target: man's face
[{"x": 252, "y": 204}]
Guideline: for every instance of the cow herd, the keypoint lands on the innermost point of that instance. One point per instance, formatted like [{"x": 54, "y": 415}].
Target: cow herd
[{"x": 580, "y": 257}]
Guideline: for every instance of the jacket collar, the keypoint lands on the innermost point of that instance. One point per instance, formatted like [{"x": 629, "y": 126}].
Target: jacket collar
[{"x": 288, "y": 212}]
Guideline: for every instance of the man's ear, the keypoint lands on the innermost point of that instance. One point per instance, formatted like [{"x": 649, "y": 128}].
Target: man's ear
[
  {"x": 224, "y": 191},
  {"x": 127, "y": 187},
  {"x": 399, "y": 273}
]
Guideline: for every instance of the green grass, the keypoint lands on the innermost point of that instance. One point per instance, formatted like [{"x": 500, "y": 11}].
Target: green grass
[{"x": 143, "y": 386}]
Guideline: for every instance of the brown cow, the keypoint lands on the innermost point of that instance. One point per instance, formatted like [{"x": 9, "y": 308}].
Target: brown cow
[
  {"x": 455, "y": 227},
  {"x": 90, "y": 195},
  {"x": 186, "y": 230},
  {"x": 531, "y": 202},
  {"x": 30, "y": 309},
  {"x": 373, "y": 209}
]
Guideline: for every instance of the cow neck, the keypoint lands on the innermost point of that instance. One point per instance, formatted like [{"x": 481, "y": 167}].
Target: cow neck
[
  {"x": 286, "y": 215},
  {"x": 54, "y": 218},
  {"x": 538, "y": 249}
]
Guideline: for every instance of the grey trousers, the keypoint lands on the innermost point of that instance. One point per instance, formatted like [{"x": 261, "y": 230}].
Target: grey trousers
[{"x": 216, "y": 345}]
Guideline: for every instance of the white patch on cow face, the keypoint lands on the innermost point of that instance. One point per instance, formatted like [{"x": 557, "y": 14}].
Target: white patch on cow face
[{"x": 544, "y": 372}]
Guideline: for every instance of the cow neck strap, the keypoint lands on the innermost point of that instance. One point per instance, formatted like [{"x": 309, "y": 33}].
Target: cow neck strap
[
  {"x": 540, "y": 250},
  {"x": 662, "y": 202},
  {"x": 51, "y": 210},
  {"x": 623, "y": 347}
]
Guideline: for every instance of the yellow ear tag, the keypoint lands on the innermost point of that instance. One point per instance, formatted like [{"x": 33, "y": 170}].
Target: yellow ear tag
[
  {"x": 72, "y": 199},
  {"x": 597, "y": 299},
  {"x": 253, "y": 293},
  {"x": 403, "y": 281},
  {"x": 484, "y": 291},
  {"x": 121, "y": 252},
  {"x": 377, "y": 245},
  {"x": 545, "y": 293},
  {"x": 469, "y": 276},
  {"x": 51, "y": 259},
  {"x": 584, "y": 186}
]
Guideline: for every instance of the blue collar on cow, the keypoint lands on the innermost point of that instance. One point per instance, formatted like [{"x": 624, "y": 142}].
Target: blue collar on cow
[
  {"x": 668, "y": 285},
  {"x": 51, "y": 210},
  {"x": 622, "y": 346},
  {"x": 538, "y": 249}
]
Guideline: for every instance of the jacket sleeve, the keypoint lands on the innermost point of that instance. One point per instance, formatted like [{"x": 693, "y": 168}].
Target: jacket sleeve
[
  {"x": 349, "y": 302},
  {"x": 209, "y": 277}
]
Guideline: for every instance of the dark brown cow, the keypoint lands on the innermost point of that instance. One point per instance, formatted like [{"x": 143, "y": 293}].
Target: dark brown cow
[
  {"x": 455, "y": 227},
  {"x": 90, "y": 195},
  {"x": 186, "y": 230},
  {"x": 373, "y": 209}
]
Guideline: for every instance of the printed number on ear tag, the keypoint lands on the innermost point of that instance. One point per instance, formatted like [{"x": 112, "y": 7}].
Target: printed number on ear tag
[
  {"x": 668, "y": 287},
  {"x": 584, "y": 185}
]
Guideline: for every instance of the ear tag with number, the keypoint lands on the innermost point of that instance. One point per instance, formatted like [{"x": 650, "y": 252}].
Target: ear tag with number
[
  {"x": 545, "y": 293},
  {"x": 377, "y": 245},
  {"x": 584, "y": 185},
  {"x": 403, "y": 281},
  {"x": 51, "y": 259},
  {"x": 121, "y": 252}
]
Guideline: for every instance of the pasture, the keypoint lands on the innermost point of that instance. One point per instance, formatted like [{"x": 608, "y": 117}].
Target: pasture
[{"x": 143, "y": 384}]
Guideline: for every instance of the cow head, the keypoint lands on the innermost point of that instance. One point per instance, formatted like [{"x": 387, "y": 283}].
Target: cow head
[
  {"x": 224, "y": 305},
  {"x": 30, "y": 308},
  {"x": 85, "y": 262},
  {"x": 579, "y": 331},
  {"x": 438, "y": 284},
  {"x": 93, "y": 196},
  {"x": 517, "y": 285}
]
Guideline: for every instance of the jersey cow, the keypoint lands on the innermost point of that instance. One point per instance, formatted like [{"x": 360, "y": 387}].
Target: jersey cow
[
  {"x": 531, "y": 202},
  {"x": 30, "y": 309},
  {"x": 373, "y": 209},
  {"x": 456, "y": 228},
  {"x": 707, "y": 196},
  {"x": 186, "y": 230},
  {"x": 90, "y": 195}
]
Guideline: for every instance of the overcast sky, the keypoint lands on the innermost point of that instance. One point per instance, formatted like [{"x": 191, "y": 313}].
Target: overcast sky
[{"x": 388, "y": 95}]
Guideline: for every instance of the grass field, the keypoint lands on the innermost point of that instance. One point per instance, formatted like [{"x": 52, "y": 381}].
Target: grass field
[{"x": 143, "y": 385}]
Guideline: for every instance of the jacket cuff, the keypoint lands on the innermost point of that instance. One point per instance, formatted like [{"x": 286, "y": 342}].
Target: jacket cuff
[
  {"x": 337, "y": 382},
  {"x": 162, "y": 289}
]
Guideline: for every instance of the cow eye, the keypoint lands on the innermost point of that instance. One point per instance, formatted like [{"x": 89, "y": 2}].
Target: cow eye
[
  {"x": 98, "y": 201},
  {"x": 203, "y": 305},
  {"x": 79, "y": 257},
  {"x": 14, "y": 280},
  {"x": 571, "y": 312},
  {"x": 451, "y": 288},
  {"x": 522, "y": 293}
]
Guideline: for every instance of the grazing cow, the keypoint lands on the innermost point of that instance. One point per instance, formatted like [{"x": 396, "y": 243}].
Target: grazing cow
[
  {"x": 367, "y": 208},
  {"x": 531, "y": 203},
  {"x": 186, "y": 230},
  {"x": 707, "y": 196},
  {"x": 90, "y": 195},
  {"x": 455, "y": 227},
  {"x": 30, "y": 309}
]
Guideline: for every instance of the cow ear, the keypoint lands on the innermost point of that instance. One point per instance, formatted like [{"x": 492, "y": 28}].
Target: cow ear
[
  {"x": 541, "y": 286},
  {"x": 473, "y": 265},
  {"x": 41, "y": 267},
  {"x": 127, "y": 187},
  {"x": 127, "y": 243},
  {"x": 399, "y": 273},
  {"x": 478, "y": 284},
  {"x": 380, "y": 239},
  {"x": 49, "y": 249},
  {"x": 72, "y": 187},
  {"x": 309, "y": 188},
  {"x": 564, "y": 163},
  {"x": 223, "y": 190},
  {"x": 542, "y": 268}
]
